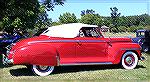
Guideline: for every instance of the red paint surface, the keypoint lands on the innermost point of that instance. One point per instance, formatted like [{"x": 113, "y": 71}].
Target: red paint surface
[{"x": 44, "y": 50}]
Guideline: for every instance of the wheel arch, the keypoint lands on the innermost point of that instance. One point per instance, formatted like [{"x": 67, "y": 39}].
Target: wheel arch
[{"x": 130, "y": 51}]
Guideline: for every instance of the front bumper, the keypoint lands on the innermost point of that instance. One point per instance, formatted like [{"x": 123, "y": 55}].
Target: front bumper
[
  {"x": 142, "y": 58},
  {"x": 7, "y": 61}
]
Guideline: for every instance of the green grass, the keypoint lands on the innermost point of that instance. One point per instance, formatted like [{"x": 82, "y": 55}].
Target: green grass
[{"x": 80, "y": 73}]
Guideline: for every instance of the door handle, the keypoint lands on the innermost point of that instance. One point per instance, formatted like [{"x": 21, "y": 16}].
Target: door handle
[{"x": 79, "y": 43}]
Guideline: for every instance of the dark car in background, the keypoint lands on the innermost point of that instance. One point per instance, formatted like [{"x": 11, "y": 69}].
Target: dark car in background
[
  {"x": 143, "y": 39},
  {"x": 7, "y": 39}
]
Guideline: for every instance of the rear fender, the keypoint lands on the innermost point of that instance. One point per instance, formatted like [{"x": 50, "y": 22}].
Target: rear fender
[{"x": 40, "y": 54}]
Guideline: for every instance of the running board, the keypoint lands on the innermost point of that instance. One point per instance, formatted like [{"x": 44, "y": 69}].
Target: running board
[{"x": 99, "y": 63}]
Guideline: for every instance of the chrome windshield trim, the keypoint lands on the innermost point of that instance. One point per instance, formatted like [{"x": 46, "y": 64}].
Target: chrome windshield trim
[{"x": 96, "y": 63}]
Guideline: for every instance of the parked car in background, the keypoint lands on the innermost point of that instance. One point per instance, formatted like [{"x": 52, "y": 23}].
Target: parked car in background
[
  {"x": 72, "y": 44},
  {"x": 143, "y": 39},
  {"x": 7, "y": 39}
]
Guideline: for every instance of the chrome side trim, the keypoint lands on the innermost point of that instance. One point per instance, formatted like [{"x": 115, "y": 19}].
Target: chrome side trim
[
  {"x": 45, "y": 41},
  {"x": 130, "y": 48},
  {"x": 97, "y": 63}
]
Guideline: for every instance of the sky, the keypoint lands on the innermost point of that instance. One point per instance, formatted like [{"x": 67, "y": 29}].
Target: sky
[{"x": 102, "y": 7}]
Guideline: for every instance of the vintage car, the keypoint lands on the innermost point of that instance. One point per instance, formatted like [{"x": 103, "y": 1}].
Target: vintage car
[
  {"x": 7, "y": 39},
  {"x": 72, "y": 44},
  {"x": 143, "y": 39}
]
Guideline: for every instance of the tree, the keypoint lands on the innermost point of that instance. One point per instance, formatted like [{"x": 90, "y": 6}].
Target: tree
[
  {"x": 106, "y": 21},
  {"x": 89, "y": 17},
  {"x": 115, "y": 15},
  {"x": 94, "y": 19},
  {"x": 50, "y": 4},
  {"x": 25, "y": 14},
  {"x": 88, "y": 11},
  {"x": 68, "y": 18}
]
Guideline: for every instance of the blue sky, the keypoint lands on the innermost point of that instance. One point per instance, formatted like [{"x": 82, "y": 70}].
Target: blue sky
[{"x": 102, "y": 7}]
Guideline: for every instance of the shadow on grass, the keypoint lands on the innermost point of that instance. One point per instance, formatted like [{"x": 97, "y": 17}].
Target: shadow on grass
[
  {"x": 1, "y": 64},
  {"x": 68, "y": 69},
  {"x": 21, "y": 72},
  {"x": 139, "y": 66}
]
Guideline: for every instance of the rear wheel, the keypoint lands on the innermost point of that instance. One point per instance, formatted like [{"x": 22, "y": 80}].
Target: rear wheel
[
  {"x": 129, "y": 60},
  {"x": 42, "y": 70}
]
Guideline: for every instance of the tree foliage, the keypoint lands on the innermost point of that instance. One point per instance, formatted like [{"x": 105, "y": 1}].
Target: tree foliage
[
  {"x": 68, "y": 18},
  {"x": 25, "y": 14},
  {"x": 88, "y": 11},
  {"x": 94, "y": 19},
  {"x": 89, "y": 17},
  {"x": 114, "y": 15}
]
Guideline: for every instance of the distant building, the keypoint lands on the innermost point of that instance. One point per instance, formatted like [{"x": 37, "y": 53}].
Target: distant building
[{"x": 104, "y": 28}]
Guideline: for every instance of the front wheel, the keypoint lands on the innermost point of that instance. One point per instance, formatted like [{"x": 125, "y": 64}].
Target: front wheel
[
  {"x": 42, "y": 70},
  {"x": 129, "y": 60}
]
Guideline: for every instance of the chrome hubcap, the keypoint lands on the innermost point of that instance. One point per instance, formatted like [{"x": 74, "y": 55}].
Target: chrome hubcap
[
  {"x": 129, "y": 60},
  {"x": 43, "y": 67}
]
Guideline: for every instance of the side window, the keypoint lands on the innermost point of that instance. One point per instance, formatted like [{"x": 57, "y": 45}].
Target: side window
[
  {"x": 88, "y": 32},
  {"x": 94, "y": 33},
  {"x": 81, "y": 33}
]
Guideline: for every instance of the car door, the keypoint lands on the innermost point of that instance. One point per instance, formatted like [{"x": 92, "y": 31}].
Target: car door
[
  {"x": 66, "y": 48},
  {"x": 91, "y": 49}
]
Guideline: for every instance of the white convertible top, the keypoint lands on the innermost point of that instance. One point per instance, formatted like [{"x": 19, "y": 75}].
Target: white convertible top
[{"x": 70, "y": 30}]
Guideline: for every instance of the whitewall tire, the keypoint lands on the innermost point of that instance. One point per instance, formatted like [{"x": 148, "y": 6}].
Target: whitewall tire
[
  {"x": 129, "y": 60},
  {"x": 42, "y": 70}
]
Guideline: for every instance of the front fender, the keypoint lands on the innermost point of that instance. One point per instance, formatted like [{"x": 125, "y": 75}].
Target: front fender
[
  {"x": 116, "y": 51},
  {"x": 38, "y": 54}
]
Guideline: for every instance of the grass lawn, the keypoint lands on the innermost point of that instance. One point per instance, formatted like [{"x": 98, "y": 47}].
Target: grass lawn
[
  {"x": 104, "y": 73},
  {"x": 80, "y": 73}
]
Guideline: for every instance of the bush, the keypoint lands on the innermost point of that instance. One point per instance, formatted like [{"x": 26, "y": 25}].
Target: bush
[
  {"x": 122, "y": 29},
  {"x": 134, "y": 28}
]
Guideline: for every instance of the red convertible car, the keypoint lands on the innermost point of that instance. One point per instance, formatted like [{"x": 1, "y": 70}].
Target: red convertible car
[{"x": 72, "y": 44}]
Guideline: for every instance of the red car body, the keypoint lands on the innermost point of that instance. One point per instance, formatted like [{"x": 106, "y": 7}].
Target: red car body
[{"x": 50, "y": 50}]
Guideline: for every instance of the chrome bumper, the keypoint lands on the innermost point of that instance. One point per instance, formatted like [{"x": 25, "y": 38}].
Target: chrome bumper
[
  {"x": 142, "y": 58},
  {"x": 7, "y": 61}
]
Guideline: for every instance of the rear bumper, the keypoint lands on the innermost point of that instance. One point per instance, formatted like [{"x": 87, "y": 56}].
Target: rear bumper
[{"x": 7, "y": 61}]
